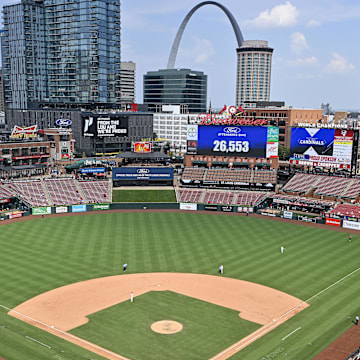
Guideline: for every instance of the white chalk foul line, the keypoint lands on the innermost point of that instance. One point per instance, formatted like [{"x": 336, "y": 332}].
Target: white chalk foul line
[
  {"x": 37, "y": 341},
  {"x": 258, "y": 333},
  {"x": 285, "y": 337},
  {"x": 66, "y": 334}
]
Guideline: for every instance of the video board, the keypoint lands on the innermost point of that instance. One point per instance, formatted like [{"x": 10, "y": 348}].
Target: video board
[
  {"x": 249, "y": 141},
  {"x": 113, "y": 125},
  {"x": 321, "y": 147}
]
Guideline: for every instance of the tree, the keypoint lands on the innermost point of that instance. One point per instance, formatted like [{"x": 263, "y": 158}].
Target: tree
[{"x": 284, "y": 153}]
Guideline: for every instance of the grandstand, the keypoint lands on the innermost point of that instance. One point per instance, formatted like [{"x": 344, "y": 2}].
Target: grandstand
[
  {"x": 249, "y": 198},
  {"x": 301, "y": 183},
  {"x": 62, "y": 191},
  {"x": 319, "y": 186},
  {"x": 265, "y": 176},
  {"x": 193, "y": 174},
  {"x": 221, "y": 197},
  {"x": 5, "y": 192},
  {"x": 229, "y": 177},
  {"x": 95, "y": 192},
  {"x": 218, "y": 197},
  {"x": 352, "y": 191},
  {"x": 331, "y": 186},
  {"x": 193, "y": 196},
  {"x": 346, "y": 210},
  {"x": 32, "y": 192}
]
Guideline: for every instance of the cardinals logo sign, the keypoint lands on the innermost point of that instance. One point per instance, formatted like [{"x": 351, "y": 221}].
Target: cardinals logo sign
[{"x": 24, "y": 132}]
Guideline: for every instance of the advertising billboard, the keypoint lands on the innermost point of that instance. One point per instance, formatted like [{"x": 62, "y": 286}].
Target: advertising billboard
[
  {"x": 41, "y": 210},
  {"x": 24, "y": 132},
  {"x": 93, "y": 170},
  {"x": 105, "y": 126},
  {"x": 321, "y": 147},
  {"x": 143, "y": 173},
  {"x": 142, "y": 147},
  {"x": 78, "y": 208},
  {"x": 250, "y": 141}
]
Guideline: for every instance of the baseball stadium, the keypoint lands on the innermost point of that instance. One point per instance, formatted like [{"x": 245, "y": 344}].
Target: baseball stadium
[{"x": 120, "y": 259}]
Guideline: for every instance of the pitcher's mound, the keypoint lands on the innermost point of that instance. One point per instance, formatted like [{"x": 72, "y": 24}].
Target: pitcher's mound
[{"x": 167, "y": 327}]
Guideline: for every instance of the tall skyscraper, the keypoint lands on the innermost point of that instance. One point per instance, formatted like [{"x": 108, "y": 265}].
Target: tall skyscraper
[
  {"x": 253, "y": 71},
  {"x": 61, "y": 52},
  {"x": 127, "y": 82},
  {"x": 23, "y": 54},
  {"x": 176, "y": 87},
  {"x": 2, "y": 105}
]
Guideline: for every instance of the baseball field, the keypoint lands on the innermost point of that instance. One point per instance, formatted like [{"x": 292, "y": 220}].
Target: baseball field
[{"x": 65, "y": 274}]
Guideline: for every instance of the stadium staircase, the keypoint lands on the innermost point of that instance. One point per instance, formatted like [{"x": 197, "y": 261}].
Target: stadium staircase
[
  {"x": 78, "y": 187},
  {"x": 347, "y": 187},
  {"x": 110, "y": 191},
  {"x": 46, "y": 191},
  {"x": 202, "y": 197}
]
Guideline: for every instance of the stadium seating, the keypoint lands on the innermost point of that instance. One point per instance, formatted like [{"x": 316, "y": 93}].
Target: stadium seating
[
  {"x": 249, "y": 198},
  {"x": 186, "y": 195},
  {"x": 241, "y": 176},
  {"x": 331, "y": 185},
  {"x": 193, "y": 173},
  {"x": 346, "y": 210},
  {"x": 301, "y": 183},
  {"x": 352, "y": 191},
  {"x": 96, "y": 191},
  {"x": 265, "y": 176},
  {"x": 5, "y": 192},
  {"x": 218, "y": 197},
  {"x": 33, "y": 192},
  {"x": 64, "y": 191},
  {"x": 298, "y": 200}
]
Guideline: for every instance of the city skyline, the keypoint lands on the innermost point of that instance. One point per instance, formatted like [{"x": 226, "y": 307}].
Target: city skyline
[{"x": 314, "y": 58}]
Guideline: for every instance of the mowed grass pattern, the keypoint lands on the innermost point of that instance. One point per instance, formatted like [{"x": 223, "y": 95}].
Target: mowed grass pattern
[
  {"x": 126, "y": 328},
  {"x": 144, "y": 196},
  {"x": 42, "y": 254}
]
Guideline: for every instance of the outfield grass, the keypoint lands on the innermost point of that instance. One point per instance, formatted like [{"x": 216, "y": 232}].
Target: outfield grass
[
  {"x": 144, "y": 196},
  {"x": 42, "y": 254},
  {"x": 119, "y": 327}
]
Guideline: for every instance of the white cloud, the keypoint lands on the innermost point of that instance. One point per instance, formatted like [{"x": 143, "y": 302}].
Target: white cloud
[
  {"x": 298, "y": 42},
  {"x": 311, "y": 60},
  {"x": 339, "y": 64},
  {"x": 283, "y": 15},
  {"x": 312, "y": 23},
  {"x": 200, "y": 52}
]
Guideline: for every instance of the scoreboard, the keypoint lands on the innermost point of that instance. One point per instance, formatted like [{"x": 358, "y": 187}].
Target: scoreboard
[
  {"x": 322, "y": 147},
  {"x": 249, "y": 141}
]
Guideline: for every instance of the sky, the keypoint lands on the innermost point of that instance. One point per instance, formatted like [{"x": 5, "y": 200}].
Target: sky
[{"x": 316, "y": 56}]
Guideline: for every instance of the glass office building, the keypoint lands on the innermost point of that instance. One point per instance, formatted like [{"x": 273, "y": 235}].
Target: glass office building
[
  {"x": 73, "y": 47},
  {"x": 176, "y": 87},
  {"x": 23, "y": 54}
]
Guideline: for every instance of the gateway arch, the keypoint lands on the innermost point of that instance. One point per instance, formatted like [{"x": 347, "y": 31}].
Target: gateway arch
[{"x": 175, "y": 47}]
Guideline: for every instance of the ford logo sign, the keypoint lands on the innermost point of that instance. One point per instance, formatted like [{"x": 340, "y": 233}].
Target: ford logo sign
[
  {"x": 63, "y": 122},
  {"x": 143, "y": 171},
  {"x": 232, "y": 130}
]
